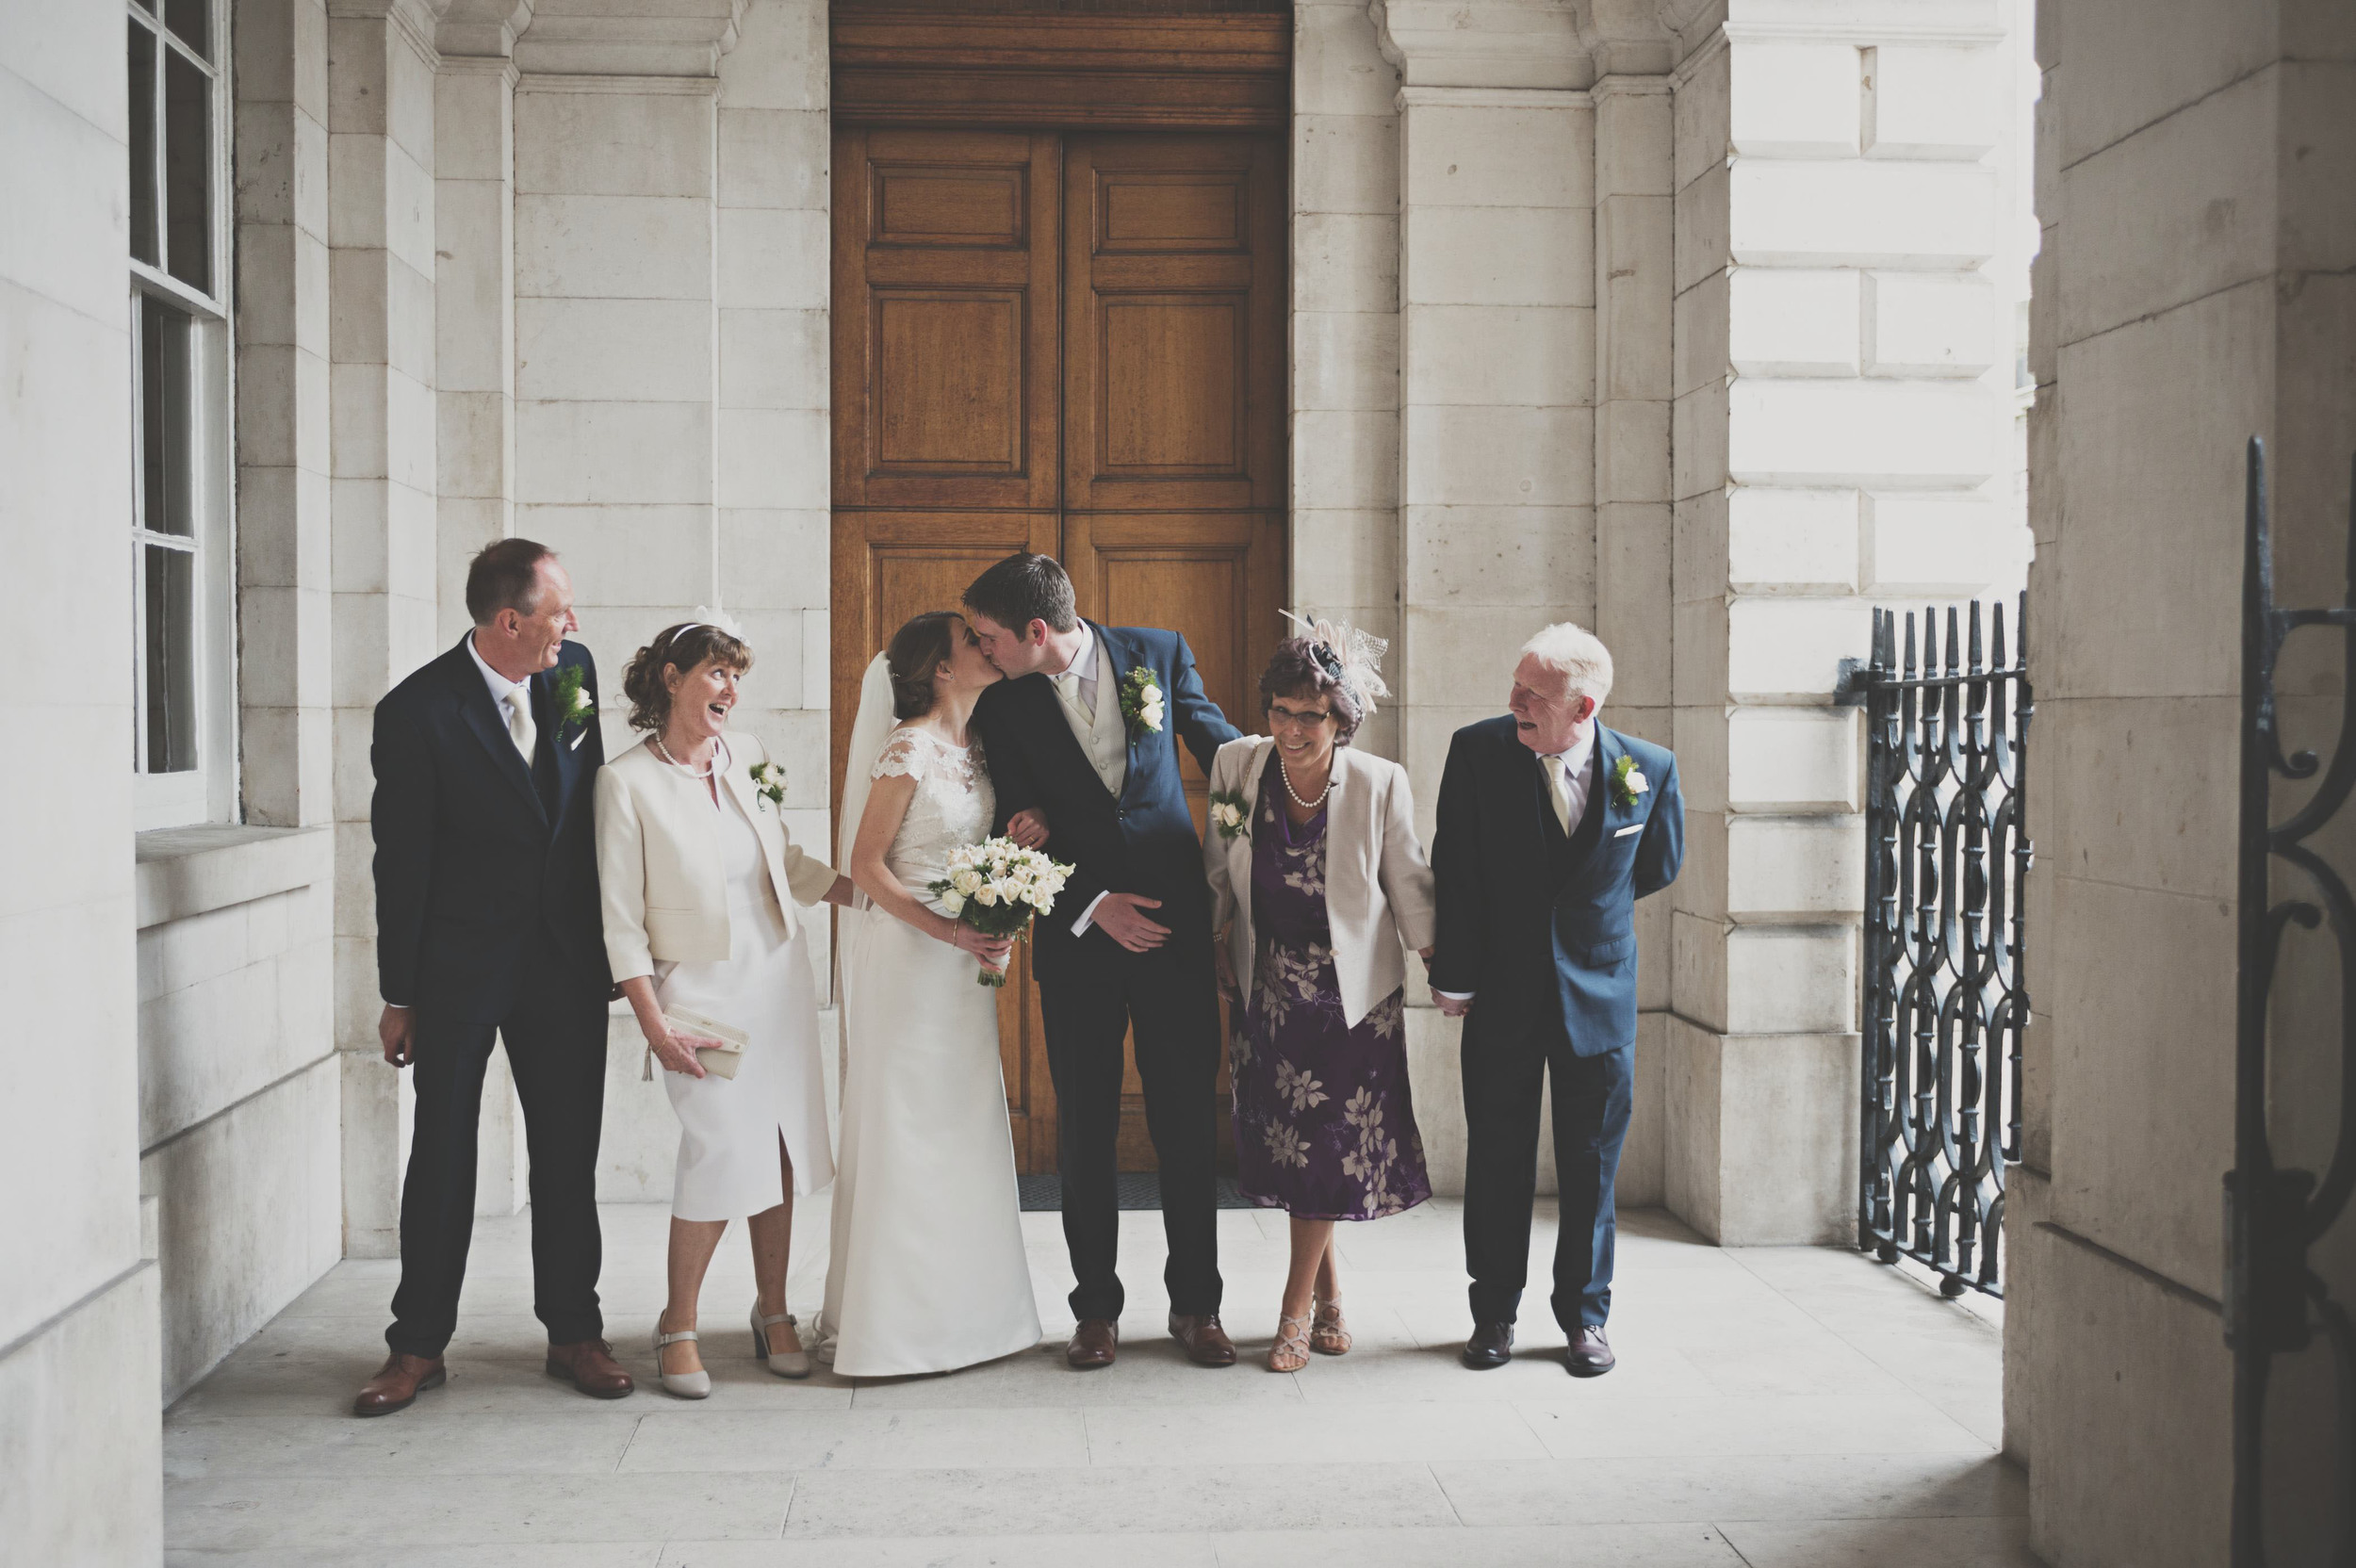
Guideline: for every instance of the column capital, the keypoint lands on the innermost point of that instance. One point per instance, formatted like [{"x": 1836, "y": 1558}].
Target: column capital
[
  {"x": 655, "y": 38},
  {"x": 481, "y": 29},
  {"x": 1557, "y": 44}
]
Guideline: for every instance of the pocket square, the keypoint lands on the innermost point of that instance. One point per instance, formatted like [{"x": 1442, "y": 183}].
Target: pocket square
[
  {"x": 1632, "y": 827},
  {"x": 578, "y": 738}
]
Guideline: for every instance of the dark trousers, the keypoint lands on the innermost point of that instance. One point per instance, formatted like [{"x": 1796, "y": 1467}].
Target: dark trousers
[
  {"x": 555, "y": 1038},
  {"x": 1504, "y": 1065},
  {"x": 1171, "y": 1000}
]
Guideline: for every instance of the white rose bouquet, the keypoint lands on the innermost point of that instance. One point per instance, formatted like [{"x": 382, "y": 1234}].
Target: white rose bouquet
[{"x": 997, "y": 887}]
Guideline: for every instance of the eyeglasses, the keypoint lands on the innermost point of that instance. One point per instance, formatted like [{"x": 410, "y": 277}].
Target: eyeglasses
[{"x": 1293, "y": 719}]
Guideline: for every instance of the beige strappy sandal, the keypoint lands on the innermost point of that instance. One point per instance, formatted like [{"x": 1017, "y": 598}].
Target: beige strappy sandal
[
  {"x": 1290, "y": 1352},
  {"x": 1329, "y": 1335}
]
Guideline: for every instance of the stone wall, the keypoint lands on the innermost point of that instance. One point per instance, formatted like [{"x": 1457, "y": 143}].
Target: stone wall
[
  {"x": 77, "y": 1296},
  {"x": 2195, "y": 288}
]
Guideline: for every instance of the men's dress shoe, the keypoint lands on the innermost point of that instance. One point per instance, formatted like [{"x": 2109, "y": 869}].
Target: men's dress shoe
[
  {"x": 589, "y": 1367},
  {"x": 1206, "y": 1342},
  {"x": 398, "y": 1383},
  {"x": 1092, "y": 1343},
  {"x": 1590, "y": 1355},
  {"x": 1492, "y": 1345}
]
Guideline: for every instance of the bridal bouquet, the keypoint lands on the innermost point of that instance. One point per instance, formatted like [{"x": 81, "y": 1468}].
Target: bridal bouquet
[{"x": 996, "y": 887}]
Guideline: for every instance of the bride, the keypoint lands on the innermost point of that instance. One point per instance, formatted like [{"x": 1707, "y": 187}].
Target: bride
[{"x": 928, "y": 1272}]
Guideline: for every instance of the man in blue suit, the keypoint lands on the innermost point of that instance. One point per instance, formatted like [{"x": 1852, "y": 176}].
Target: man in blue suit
[
  {"x": 1550, "y": 828},
  {"x": 1082, "y": 744}
]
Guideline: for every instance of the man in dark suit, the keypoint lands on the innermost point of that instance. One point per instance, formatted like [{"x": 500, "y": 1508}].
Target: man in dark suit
[
  {"x": 487, "y": 924},
  {"x": 1084, "y": 754},
  {"x": 1550, "y": 828}
]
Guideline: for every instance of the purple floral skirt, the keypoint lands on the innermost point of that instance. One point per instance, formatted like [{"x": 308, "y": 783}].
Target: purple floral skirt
[{"x": 1325, "y": 1124}]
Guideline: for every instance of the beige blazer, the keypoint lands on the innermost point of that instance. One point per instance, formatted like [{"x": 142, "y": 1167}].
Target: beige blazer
[
  {"x": 1378, "y": 884},
  {"x": 660, "y": 875}
]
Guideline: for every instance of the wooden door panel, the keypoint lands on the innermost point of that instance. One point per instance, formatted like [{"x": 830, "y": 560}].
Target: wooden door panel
[
  {"x": 1173, "y": 323},
  {"x": 946, "y": 352}
]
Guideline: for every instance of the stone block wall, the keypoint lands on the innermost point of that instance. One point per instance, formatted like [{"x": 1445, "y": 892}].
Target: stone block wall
[
  {"x": 1841, "y": 390},
  {"x": 78, "y": 1363}
]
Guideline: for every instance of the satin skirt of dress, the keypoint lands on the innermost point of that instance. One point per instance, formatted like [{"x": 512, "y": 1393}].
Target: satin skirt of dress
[
  {"x": 928, "y": 1272},
  {"x": 729, "y": 1127}
]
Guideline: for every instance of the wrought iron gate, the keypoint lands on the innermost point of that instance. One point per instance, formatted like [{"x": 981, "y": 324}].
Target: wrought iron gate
[
  {"x": 2276, "y": 1299},
  {"x": 1946, "y": 986}
]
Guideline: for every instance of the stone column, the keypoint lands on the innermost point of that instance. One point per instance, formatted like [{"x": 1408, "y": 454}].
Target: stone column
[
  {"x": 381, "y": 337},
  {"x": 618, "y": 445},
  {"x": 1345, "y": 330},
  {"x": 1497, "y": 391},
  {"x": 1842, "y": 386},
  {"x": 285, "y": 654},
  {"x": 474, "y": 351},
  {"x": 2197, "y": 288}
]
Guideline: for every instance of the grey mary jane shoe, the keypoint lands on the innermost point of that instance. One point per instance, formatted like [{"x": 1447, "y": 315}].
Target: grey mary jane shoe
[{"x": 782, "y": 1364}]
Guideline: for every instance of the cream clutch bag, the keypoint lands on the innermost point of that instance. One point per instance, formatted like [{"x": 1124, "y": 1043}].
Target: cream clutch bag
[{"x": 720, "y": 1060}]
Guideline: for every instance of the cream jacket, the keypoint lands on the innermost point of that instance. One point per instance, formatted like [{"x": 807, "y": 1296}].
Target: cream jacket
[
  {"x": 1378, "y": 884},
  {"x": 660, "y": 875}
]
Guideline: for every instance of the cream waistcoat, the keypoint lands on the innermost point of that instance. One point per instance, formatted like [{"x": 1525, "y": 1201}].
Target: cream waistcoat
[{"x": 1105, "y": 735}]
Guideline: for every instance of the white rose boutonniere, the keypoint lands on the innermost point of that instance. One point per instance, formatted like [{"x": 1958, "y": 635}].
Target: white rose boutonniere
[
  {"x": 1229, "y": 813},
  {"x": 769, "y": 784},
  {"x": 1141, "y": 702},
  {"x": 1627, "y": 782}
]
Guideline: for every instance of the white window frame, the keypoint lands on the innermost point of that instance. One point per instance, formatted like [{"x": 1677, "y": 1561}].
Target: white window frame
[{"x": 208, "y": 791}]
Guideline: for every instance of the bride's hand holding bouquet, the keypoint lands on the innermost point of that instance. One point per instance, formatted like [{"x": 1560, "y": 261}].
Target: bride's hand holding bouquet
[{"x": 994, "y": 891}]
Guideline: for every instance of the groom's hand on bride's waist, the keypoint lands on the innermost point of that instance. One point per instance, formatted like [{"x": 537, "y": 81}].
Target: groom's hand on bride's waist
[
  {"x": 1122, "y": 918},
  {"x": 1028, "y": 828}
]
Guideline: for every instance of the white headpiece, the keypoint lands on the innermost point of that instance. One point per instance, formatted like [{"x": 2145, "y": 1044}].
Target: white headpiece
[
  {"x": 1353, "y": 657},
  {"x": 719, "y": 620}
]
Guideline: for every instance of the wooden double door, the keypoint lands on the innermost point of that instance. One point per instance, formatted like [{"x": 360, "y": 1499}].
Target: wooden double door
[{"x": 1073, "y": 343}]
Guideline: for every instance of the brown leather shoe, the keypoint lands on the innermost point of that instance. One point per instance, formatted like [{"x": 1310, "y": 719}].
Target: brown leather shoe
[
  {"x": 1092, "y": 1343},
  {"x": 398, "y": 1383},
  {"x": 1206, "y": 1342},
  {"x": 1590, "y": 1355},
  {"x": 589, "y": 1367}
]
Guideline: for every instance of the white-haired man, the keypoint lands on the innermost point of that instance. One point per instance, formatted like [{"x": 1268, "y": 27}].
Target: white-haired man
[{"x": 1550, "y": 828}]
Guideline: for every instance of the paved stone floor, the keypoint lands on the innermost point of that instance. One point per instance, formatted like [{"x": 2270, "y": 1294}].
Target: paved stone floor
[{"x": 1785, "y": 1408}]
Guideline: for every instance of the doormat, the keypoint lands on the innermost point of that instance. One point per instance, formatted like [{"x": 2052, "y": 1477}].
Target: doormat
[{"x": 1138, "y": 1189}]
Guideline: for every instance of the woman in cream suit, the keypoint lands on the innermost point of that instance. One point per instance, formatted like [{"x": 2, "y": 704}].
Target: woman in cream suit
[
  {"x": 1320, "y": 884},
  {"x": 699, "y": 879}
]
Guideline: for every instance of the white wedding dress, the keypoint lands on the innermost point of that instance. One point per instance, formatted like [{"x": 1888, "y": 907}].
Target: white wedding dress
[{"x": 928, "y": 1272}]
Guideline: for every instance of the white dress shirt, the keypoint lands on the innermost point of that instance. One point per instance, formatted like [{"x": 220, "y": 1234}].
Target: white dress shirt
[
  {"x": 504, "y": 693},
  {"x": 1575, "y": 768}
]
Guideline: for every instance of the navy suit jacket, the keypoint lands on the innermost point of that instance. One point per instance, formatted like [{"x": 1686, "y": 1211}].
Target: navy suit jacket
[
  {"x": 1535, "y": 952},
  {"x": 1142, "y": 842},
  {"x": 469, "y": 857}
]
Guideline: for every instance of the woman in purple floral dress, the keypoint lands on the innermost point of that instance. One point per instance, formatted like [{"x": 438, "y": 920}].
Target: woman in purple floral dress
[{"x": 1319, "y": 884}]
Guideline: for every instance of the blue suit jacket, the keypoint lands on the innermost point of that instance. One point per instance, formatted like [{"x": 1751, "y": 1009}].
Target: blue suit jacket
[
  {"x": 1533, "y": 953},
  {"x": 1142, "y": 842}
]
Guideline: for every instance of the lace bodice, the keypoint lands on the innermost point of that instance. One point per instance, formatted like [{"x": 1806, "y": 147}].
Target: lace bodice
[{"x": 953, "y": 806}]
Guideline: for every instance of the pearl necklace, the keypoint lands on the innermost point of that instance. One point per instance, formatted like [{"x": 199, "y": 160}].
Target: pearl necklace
[
  {"x": 1284, "y": 773},
  {"x": 719, "y": 748}
]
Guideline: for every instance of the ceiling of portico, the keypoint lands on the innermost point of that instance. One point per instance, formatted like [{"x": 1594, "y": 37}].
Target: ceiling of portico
[{"x": 1535, "y": 44}]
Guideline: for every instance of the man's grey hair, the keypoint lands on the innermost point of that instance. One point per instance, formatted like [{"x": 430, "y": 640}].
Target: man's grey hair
[{"x": 1579, "y": 655}]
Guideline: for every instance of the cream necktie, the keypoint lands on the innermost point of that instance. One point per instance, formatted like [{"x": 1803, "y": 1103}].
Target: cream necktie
[
  {"x": 1068, "y": 687},
  {"x": 1554, "y": 792},
  {"x": 519, "y": 725}
]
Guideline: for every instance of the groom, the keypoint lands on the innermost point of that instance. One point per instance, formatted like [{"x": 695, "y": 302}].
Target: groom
[{"x": 1082, "y": 733}]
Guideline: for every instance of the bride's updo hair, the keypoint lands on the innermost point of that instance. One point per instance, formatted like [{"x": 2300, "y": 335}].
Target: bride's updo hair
[
  {"x": 916, "y": 650},
  {"x": 682, "y": 646}
]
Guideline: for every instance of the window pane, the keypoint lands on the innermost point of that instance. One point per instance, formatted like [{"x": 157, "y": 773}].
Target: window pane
[
  {"x": 170, "y": 658},
  {"x": 189, "y": 171},
  {"x": 167, "y": 422},
  {"x": 144, "y": 144},
  {"x": 186, "y": 18}
]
